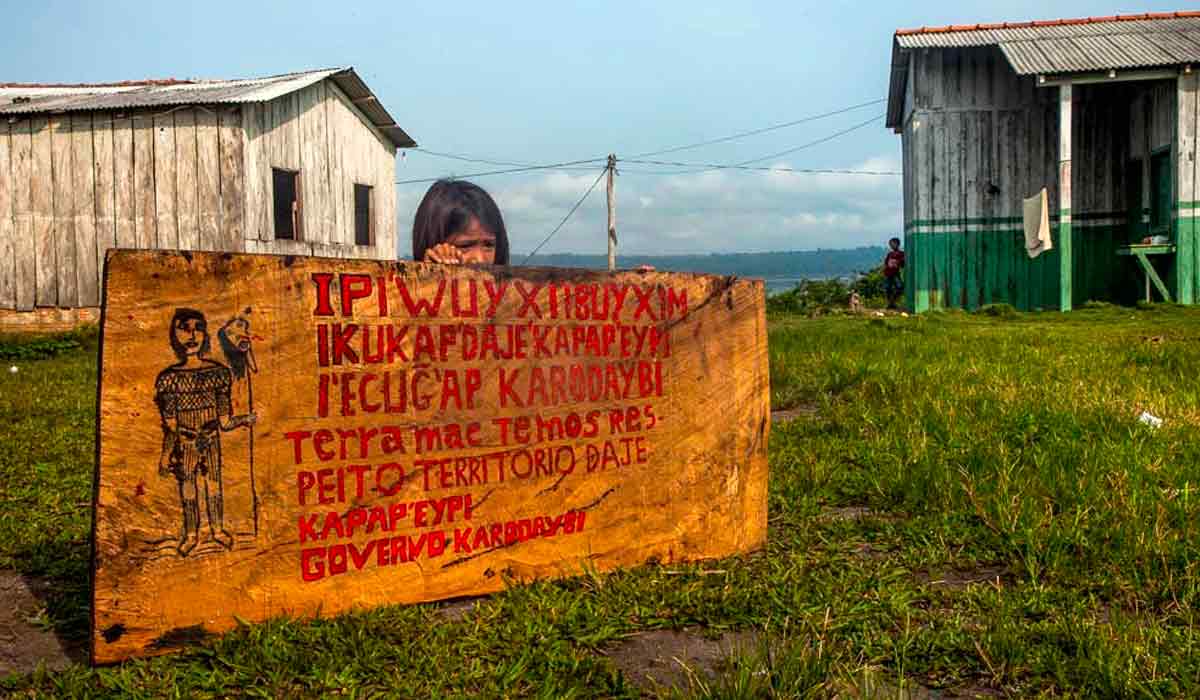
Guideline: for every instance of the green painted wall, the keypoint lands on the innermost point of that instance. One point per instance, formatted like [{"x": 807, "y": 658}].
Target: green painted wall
[{"x": 968, "y": 263}]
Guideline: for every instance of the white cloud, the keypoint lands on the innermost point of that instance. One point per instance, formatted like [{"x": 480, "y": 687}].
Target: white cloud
[{"x": 700, "y": 212}]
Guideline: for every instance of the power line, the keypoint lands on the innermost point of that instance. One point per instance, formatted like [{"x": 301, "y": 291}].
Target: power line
[
  {"x": 701, "y": 167},
  {"x": 763, "y": 130},
  {"x": 550, "y": 166},
  {"x": 469, "y": 159},
  {"x": 814, "y": 143},
  {"x": 568, "y": 216}
]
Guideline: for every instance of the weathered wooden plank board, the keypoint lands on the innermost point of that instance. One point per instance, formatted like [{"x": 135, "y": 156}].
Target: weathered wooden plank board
[
  {"x": 83, "y": 210},
  {"x": 314, "y": 175},
  {"x": 124, "y": 183},
  {"x": 922, "y": 136},
  {"x": 208, "y": 180},
  {"x": 21, "y": 153},
  {"x": 166, "y": 198},
  {"x": 42, "y": 198},
  {"x": 566, "y": 422},
  {"x": 956, "y": 160},
  {"x": 337, "y": 177},
  {"x": 103, "y": 149},
  {"x": 232, "y": 181},
  {"x": 253, "y": 166},
  {"x": 8, "y": 261},
  {"x": 144, "y": 191},
  {"x": 1185, "y": 162},
  {"x": 63, "y": 221},
  {"x": 187, "y": 212}
]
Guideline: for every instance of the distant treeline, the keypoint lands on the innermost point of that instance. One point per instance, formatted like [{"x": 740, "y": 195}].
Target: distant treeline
[{"x": 788, "y": 263}]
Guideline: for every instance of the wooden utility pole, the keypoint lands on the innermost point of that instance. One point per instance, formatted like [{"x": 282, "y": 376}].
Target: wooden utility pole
[{"x": 612, "y": 214}]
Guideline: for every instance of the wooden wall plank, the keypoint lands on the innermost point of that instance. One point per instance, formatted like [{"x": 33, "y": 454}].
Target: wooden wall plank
[
  {"x": 187, "y": 209},
  {"x": 42, "y": 198},
  {"x": 314, "y": 175},
  {"x": 339, "y": 215},
  {"x": 208, "y": 181},
  {"x": 954, "y": 162},
  {"x": 1001, "y": 243},
  {"x": 124, "y": 184},
  {"x": 104, "y": 170},
  {"x": 145, "y": 214},
  {"x": 923, "y": 213},
  {"x": 83, "y": 210},
  {"x": 165, "y": 193},
  {"x": 8, "y": 261},
  {"x": 232, "y": 181},
  {"x": 1185, "y": 164},
  {"x": 21, "y": 154},
  {"x": 252, "y": 166},
  {"x": 973, "y": 183},
  {"x": 63, "y": 222}
]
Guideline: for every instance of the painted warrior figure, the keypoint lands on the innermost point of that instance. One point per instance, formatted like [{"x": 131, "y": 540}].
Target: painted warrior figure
[
  {"x": 193, "y": 398},
  {"x": 235, "y": 338}
]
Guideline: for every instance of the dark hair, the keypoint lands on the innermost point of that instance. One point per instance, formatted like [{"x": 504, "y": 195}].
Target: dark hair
[
  {"x": 893, "y": 238},
  {"x": 184, "y": 315},
  {"x": 448, "y": 208}
]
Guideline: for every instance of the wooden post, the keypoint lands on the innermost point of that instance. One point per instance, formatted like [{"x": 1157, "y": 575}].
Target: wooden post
[
  {"x": 1064, "y": 197},
  {"x": 612, "y": 214}
]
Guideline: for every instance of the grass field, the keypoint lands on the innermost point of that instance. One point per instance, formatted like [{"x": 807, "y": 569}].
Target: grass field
[{"x": 973, "y": 507}]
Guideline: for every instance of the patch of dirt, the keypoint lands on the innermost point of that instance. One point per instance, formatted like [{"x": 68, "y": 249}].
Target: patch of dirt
[
  {"x": 789, "y": 414},
  {"x": 958, "y": 579},
  {"x": 873, "y": 686},
  {"x": 23, "y": 643},
  {"x": 847, "y": 513},
  {"x": 456, "y": 610},
  {"x": 661, "y": 659}
]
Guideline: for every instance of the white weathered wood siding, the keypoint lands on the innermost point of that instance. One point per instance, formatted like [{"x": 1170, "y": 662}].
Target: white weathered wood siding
[
  {"x": 319, "y": 133},
  {"x": 978, "y": 139},
  {"x": 74, "y": 185},
  {"x": 970, "y": 108}
]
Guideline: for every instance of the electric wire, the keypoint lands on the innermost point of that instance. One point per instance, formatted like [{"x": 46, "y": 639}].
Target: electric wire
[
  {"x": 755, "y": 132},
  {"x": 568, "y": 216},
  {"x": 549, "y": 166},
  {"x": 702, "y": 167}
]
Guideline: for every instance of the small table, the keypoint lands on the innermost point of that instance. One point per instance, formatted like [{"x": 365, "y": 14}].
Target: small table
[{"x": 1140, "y": 251}]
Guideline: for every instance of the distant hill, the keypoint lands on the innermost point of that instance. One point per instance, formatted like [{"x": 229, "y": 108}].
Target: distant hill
[{"x": 790, "y": 264}]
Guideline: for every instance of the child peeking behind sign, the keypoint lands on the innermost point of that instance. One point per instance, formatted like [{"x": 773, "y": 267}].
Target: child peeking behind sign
[{"x": 458, "y": 222}]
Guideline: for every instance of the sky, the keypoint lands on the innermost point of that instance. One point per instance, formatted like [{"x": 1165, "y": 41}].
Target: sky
[{"x": 554, "y": 82}]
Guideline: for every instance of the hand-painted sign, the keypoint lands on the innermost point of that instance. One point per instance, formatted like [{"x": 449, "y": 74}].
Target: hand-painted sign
[{"x": 302, "y": 436}]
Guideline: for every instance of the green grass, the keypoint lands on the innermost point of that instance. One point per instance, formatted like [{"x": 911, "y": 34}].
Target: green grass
[{"x": 1021, "y": 532}]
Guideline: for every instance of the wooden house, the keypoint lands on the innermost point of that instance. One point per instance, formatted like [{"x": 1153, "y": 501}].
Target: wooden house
[
  {"x": 302, "y": 163},
  {"x": 1102, "y": 112}
]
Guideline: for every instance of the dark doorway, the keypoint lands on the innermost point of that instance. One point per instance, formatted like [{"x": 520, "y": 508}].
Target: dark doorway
[{"x": 287, "y": 204}]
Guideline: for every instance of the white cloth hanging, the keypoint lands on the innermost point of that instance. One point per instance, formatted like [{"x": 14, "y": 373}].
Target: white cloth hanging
[{"x": 1037, "y": 225}]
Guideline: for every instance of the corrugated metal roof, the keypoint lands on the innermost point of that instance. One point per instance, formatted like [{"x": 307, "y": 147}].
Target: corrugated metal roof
[
  {"x": 18, "y": 99},
  {"x": 992, "y": 34},
  {"x": 1104, "y": 52},
  {"x": 1058, "y": 46}
]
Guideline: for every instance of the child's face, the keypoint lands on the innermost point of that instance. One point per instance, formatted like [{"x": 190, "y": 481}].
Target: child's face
[
  {"x": 894, "y": 244},
  {"x": 477, "y": 244}
]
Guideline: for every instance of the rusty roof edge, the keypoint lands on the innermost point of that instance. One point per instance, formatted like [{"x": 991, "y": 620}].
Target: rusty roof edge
[{"x": 1031, "y": 24}]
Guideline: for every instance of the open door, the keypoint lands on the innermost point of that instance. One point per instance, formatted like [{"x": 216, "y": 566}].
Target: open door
[{"x": 1133, "y": 201}]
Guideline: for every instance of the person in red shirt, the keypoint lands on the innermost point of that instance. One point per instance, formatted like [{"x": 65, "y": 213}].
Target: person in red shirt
[{"x": 893, "y": 262}]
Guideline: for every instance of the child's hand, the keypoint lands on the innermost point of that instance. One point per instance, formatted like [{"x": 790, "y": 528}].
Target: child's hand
[{"x": 445, "y": 254}]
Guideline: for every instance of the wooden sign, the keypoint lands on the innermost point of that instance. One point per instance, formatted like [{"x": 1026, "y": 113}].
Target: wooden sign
[{"x": 301, "y": 436}]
